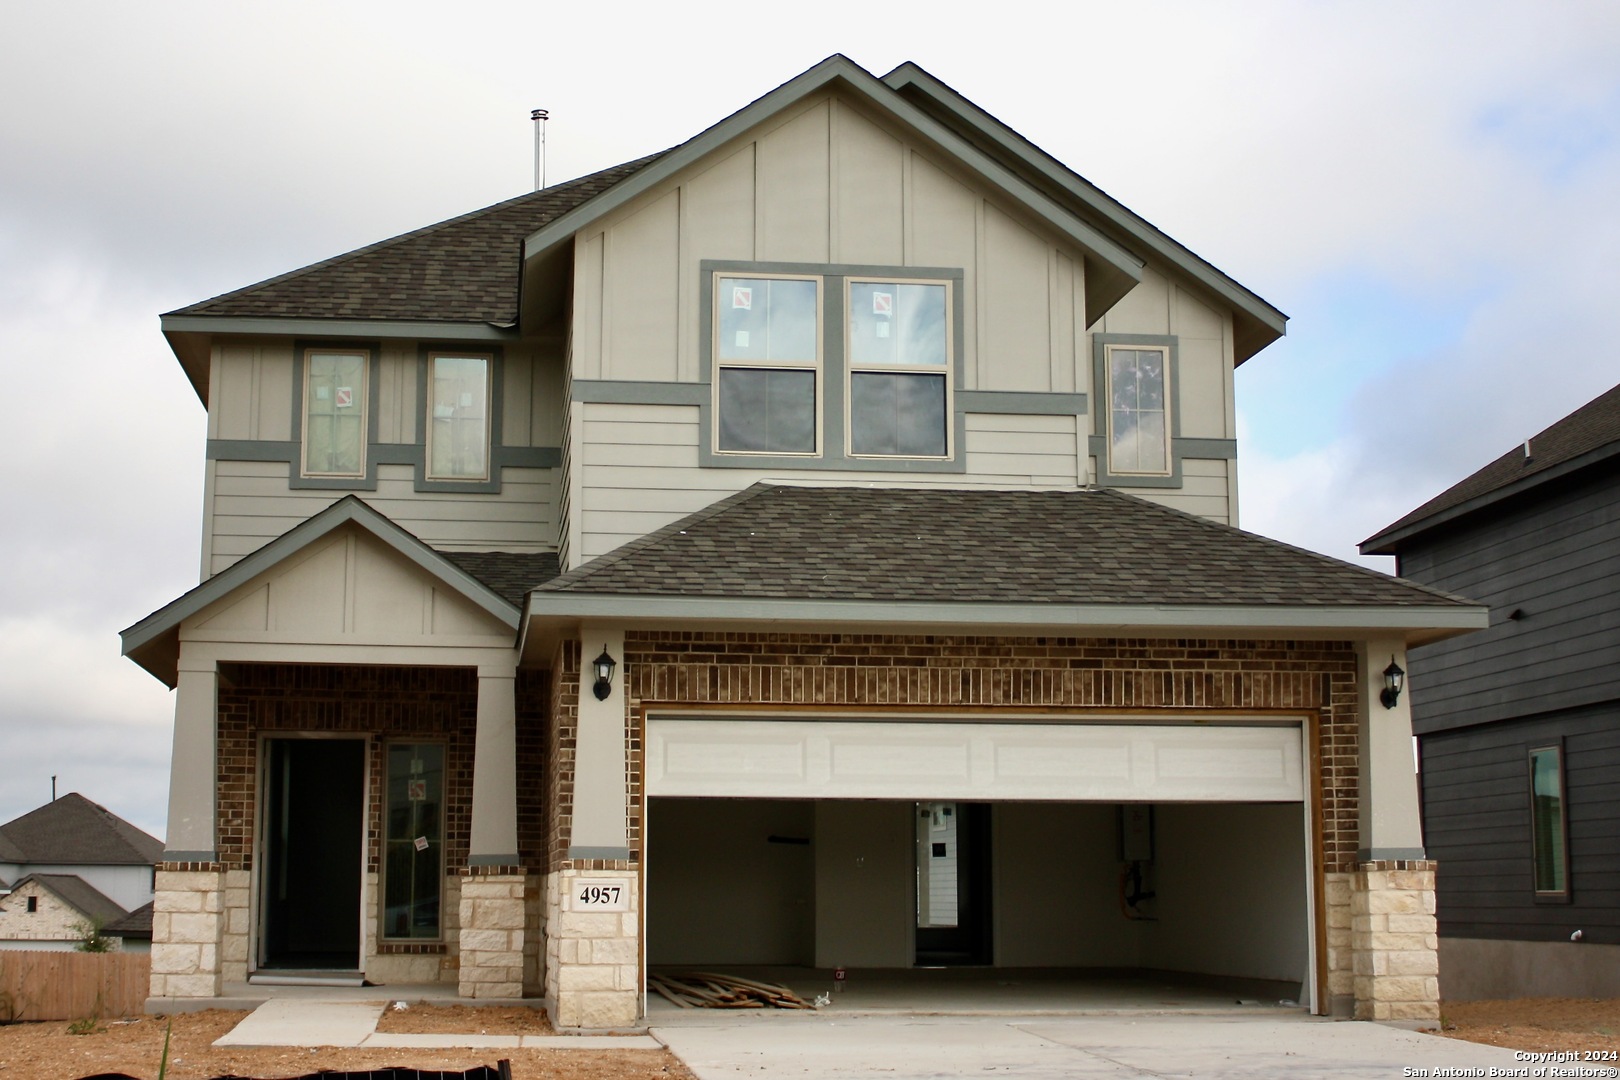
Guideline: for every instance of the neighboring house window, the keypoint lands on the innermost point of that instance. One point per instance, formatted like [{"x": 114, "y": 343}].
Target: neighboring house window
[
  {"x": 33, "y": 904},
  {"x": 413, "y": 858},
  {"x": 1549, "y": 837},
  {"x": 458, "y": 417},
  {"x": 767, "y": 332},
  {"x": 899, "y": 363},
  {"x": 335, "y": 399},
  {"x": 1138, "y": 416}
]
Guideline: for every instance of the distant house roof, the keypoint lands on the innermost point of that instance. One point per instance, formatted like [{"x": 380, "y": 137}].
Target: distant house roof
[
  {"x": 137, "y": 924},
  {"x": 465, "y": 269},
  {"x": 74, "y": 830},
  {"x": 78, "y": 894},
  {"x": 1587, "y": 436},
  {"x": 1082, "y": 558}
]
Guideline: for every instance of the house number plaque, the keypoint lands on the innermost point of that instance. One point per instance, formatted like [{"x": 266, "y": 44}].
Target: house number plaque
[{"x": 599, "y": 894}]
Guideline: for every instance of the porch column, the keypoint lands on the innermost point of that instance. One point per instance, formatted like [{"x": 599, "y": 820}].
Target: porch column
[
  {"x": 494, "y": 796},
  {"x": 495, "y": 903},
  {"x": 192, "y": 771},
  {"x": 1394, "y": 948},
  {"x": 600, "y": 766}
]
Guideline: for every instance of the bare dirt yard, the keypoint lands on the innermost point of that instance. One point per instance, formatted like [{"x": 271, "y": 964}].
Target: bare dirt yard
[
  {"x": 1578, "y": 1024},
  {"x": 47, "y": 1051}
]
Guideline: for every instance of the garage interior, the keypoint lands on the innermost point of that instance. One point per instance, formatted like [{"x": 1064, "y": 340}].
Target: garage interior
[{"x": 1101, "y": 903}]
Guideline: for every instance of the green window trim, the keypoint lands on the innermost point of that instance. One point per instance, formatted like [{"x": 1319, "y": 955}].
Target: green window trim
[{"x": 411, "y": 893}]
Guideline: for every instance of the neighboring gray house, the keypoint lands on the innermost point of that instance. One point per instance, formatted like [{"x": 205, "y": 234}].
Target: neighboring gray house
[
  {"x": 1519, "y": 726},
  {"x": 678, "y": 564},
  {"x": 72, "y": 862}
]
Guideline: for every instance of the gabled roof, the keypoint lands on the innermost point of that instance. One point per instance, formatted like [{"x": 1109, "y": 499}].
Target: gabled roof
[
  {"x": 153, "y": 642},
  {"x": 1586, "y": 437},
  {"x": 72, "y": 830},
  {"x": 78, "y": 894},
  {"x": 509, "y": 574},
  {"x": 1053, "y": 558}
]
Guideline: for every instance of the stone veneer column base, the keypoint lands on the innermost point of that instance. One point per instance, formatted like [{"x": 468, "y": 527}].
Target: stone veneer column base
[
  {"x": 1393, "y": 940},
  {"x": 1341, "y": 976},
  {"x": 593, "y": 958},
  {"x": 188, "y": 922},
  {"x": 492, "y": 932}
]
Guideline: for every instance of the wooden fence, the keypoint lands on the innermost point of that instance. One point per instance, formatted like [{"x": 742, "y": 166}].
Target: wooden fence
[{"x": 72, "y": 985}]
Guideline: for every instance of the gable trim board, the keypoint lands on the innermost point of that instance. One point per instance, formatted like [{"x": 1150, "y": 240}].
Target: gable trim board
[
  {"x": 1111, "y": 270},
  {"x": 153, "y": 642}
]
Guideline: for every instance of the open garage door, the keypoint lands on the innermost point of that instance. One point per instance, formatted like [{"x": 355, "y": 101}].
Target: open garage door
[{"x": 814, "y": 844}]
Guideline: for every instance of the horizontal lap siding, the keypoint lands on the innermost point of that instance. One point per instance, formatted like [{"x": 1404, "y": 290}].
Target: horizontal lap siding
[
  {"x": 642, "y": 471},
  {"x": 1477, "y": 825},
  {"x": 1558, "y": 562},
  {"x": 252, "y": 505}
]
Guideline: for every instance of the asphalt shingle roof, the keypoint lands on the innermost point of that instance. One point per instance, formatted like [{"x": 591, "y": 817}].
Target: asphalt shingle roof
[
  {"x": 1591, "y": 427},
  {"x": 465, "y": 269},
  {"x": 83, "y": 896},
  {"x": 137, "y": 924},
  {"x": 943, "y": 545},
  {"x": 73, "y": 829},
  {"x": 508, "y": 574}
]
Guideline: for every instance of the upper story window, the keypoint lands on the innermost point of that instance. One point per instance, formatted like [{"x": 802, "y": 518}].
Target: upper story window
[
  {"x": 1138, "y": 412},
  {"x": 334, "y": 420},
  {"x": 768, "y": 358},
  {"x": 834, "y": 365},
  {"x": 458, "y": 417},
  {"x": 1548, "y": 823},
  {"x": 899, "y": 362}
]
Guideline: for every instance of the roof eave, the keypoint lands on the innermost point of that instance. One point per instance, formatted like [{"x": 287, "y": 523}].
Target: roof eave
[
  {"x": 1259, "y": 323},
  {"x": 550, "y": 615},
  {"x": 1111, "y": 262},
  {"x": 1389, "y": 541}
]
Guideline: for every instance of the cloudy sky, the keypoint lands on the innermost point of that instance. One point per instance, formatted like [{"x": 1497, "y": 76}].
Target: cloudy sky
[{"x": 1429, "y": 190}]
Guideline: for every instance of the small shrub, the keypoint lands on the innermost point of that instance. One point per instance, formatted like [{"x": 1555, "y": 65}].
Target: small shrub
[
  {"x": 87, "y": 1025},
  {"x": 91, "y": 939}
]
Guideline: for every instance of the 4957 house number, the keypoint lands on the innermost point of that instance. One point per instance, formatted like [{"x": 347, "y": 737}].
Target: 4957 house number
[{"x": 599, "y": 894}]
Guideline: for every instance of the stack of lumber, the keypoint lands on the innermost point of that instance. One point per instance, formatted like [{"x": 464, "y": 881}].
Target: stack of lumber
[{"x": 708, "y": 990}]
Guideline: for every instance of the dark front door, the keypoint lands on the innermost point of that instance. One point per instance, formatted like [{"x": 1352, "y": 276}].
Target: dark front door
[
  {"x": 953, "y": 883},
  {"x": 314, "y": 837}
]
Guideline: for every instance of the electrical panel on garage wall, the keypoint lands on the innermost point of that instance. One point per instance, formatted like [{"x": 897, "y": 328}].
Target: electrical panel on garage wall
[{"x": 1136, "y": 832}]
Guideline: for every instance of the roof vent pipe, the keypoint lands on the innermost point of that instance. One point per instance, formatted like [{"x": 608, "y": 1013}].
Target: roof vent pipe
[
  {"x": 1527, "y": 454},
  {"x": 539, "y": 116}
]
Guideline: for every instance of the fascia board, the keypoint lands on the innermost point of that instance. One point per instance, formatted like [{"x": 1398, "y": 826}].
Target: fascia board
[
  {"x": 1386, "y": 542},
  {"x": 348, "y": 509},
  {"x": 1090, "y": 617},
  {"x": 1093, "y": 197},
  {"x": 838, "y": 69},
  {"x": 356, "y": 328}
]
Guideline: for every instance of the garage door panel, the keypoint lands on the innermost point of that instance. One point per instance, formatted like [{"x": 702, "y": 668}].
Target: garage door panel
[{"x": 792, "y": 759}]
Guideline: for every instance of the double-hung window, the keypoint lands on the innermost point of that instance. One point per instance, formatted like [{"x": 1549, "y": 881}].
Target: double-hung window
[
  {"x": 334, "y": 417},
  {"x": 767, "y": 333},
  {"x": 458, "y": 416},
  {"x": 899, "y": 363},
  {"x": 1138, "y": 411}
]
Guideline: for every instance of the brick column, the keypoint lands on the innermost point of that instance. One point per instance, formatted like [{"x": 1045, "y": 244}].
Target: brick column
[
  {"x": 188, "y": 923},
  {"x": 1393, "y": 939}
]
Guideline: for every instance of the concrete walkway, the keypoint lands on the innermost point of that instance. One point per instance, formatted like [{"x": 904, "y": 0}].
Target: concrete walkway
[
  {"x": 773, "y": 1046},
  {"x": 309, "y": 1021}
]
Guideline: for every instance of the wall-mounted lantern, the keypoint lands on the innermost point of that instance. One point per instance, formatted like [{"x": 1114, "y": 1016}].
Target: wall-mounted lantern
[
  {"x": 1394, "y": 680},
  {"x": 602, "y": 667}
]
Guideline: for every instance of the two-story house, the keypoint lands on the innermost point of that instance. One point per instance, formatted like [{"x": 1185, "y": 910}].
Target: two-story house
[
  {"x": 1519, "y": 726},
  {"x": 811, "y": 545}
]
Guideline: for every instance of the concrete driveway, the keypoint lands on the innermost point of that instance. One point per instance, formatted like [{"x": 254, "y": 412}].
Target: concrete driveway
[{"x": 1277, "y": 1043}]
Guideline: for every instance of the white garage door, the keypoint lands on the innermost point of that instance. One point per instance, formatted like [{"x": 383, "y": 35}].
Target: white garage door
[{"x": 811, "y": 759}]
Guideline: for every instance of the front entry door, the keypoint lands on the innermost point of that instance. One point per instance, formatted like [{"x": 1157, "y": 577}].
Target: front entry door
[
  {"x": 953, "y": 883},
  {"x": 313, "y": 844}
]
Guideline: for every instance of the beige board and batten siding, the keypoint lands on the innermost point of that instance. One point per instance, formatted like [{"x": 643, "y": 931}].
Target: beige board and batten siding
[
  {"x": 249, "y": 503},
  {"x": 825, "y": 183}
]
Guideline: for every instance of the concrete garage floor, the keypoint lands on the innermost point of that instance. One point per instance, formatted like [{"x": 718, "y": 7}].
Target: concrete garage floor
[
  {"x": 1264, "y": 1044},
  {"x": 978, "y": 991}
]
